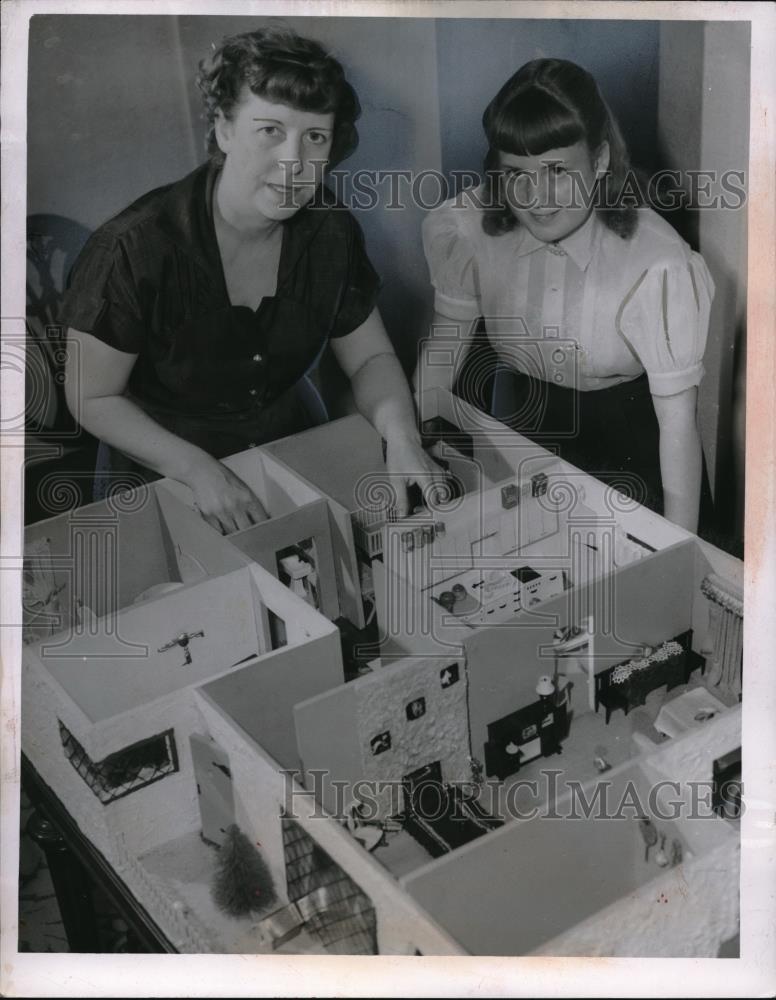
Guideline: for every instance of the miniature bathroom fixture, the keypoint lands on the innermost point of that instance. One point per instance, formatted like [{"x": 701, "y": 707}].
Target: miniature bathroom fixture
[
  {"x": 302, "y": 577},
  {"x": 688, "y": 711}
]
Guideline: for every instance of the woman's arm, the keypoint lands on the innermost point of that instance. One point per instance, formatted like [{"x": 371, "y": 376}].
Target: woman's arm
[
  {"x": 680, "y": 456},
  {"x": 382, "y": 395},
  {"x": 96, "y": 378}
]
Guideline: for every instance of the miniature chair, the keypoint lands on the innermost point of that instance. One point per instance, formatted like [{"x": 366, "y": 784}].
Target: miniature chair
[{"x": 53, "y": 243}]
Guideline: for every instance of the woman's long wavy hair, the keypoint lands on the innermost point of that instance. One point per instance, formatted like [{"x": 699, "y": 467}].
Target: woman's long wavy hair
[
  {"x": 277, "y": 64},
  {"x": 549, "y": 104}
]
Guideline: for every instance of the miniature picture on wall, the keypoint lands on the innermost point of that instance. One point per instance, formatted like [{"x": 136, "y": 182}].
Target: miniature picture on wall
[
  {"x": 510, "y": 496},
  {"x": 415, "y": 709},
  {"x": 449, "y": 675},
  {"x": 381, "y": 743}
]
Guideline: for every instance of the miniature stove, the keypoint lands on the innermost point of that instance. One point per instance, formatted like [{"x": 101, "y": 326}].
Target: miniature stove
[{"x": 482, "y": 597}]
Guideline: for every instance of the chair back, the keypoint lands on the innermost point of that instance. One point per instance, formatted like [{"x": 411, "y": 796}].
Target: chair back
[{"x": 53, "y": 244}]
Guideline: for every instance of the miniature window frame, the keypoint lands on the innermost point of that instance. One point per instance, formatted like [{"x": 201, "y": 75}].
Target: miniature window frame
[{"x": 97, "y": 774}]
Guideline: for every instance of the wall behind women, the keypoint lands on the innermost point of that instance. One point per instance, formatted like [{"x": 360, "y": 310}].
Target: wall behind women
[
  {"x": 703, "y": 125},
  {"x": 477, "y": 56},
  {"x": 105, "y": 119},
  {"x": 114, "y": 111}
]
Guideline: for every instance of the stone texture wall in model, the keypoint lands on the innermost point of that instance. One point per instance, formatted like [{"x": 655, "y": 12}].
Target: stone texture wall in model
[{"x": 410, "y": 716}]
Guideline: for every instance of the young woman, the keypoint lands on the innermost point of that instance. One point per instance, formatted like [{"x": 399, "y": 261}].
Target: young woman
[
  {"x": 597, "y": 309},
  {"x": 198, "y": 309}
]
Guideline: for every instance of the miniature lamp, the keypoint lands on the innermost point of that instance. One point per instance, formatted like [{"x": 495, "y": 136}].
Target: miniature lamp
[{"x": 545, "y": 689}]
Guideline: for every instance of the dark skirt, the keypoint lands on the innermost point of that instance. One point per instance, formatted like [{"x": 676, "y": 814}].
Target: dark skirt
[{"x": 612, "y": 434}]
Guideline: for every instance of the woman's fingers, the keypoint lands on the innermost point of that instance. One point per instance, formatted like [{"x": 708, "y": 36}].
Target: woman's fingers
[
  {"x": 242, "y": 512},
  {"x": 402, "y": 504},
  {"x": 212, "y": 520},
  {"x": 408, "y": 462},
  {"x": 226, "y": 502},
  {"x": 257, "y": 511},
  {"x": 435, "y": 487},
  {"x": 248, "y": 512},
  {"x": 433, "y": 480}
]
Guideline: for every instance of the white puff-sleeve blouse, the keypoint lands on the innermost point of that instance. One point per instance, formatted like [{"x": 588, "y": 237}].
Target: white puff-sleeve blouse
[{"x": 626, "y": 306}]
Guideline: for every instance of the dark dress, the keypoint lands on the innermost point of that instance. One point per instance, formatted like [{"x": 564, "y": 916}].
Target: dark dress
[{"x": 150, "y": 282}]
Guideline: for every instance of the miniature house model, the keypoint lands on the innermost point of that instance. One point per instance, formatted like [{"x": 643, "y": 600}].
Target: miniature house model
[{"x": 376, "y": 703}]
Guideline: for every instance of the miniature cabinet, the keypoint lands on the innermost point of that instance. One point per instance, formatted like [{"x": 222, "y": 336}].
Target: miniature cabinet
[
  {"x": 356, "y": 692},
  {"x": 532, "y": 731},
  {"x": 628, "y": 684}
]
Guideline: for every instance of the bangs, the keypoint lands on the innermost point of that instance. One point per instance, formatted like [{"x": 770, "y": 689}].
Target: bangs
[
  {"x": 533, "y": 122},
  {"x": 297, "y": 87}
]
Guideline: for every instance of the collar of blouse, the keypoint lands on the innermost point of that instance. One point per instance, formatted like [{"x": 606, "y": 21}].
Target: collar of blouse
[{"x": 579, "y": 246}]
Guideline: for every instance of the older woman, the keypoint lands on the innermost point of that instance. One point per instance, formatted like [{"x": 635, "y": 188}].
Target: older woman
[{"x": 197, "y": 310}]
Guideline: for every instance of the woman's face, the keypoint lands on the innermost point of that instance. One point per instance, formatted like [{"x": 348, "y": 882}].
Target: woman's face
[
  {"x": 275, "y": 156},
  {"x": 551, "y": 194}
]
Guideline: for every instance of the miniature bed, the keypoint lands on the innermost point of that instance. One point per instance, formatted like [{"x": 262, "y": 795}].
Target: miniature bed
[{"x": 354, "y": 696}]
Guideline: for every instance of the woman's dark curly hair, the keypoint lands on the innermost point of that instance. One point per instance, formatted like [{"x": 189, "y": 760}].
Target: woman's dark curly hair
[
  {"x": 549, "y": 104},
  {"x": 277, "y": 64}
]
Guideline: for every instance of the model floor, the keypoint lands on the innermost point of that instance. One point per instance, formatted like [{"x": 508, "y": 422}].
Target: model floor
[{"x": 589, "y": 737}]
